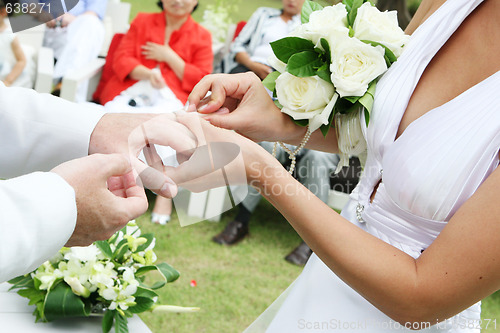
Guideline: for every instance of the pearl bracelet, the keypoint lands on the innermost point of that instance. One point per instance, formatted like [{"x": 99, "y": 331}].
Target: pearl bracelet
[{"x": 293, "y": 154}]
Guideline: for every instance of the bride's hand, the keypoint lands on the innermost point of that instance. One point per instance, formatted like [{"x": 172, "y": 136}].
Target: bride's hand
[
  {"x": 251, "y": 110},
  {"x": 223, "y": 157}
]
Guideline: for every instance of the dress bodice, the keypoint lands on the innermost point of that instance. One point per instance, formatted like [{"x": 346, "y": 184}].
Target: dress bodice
[{"x": 441, "y": 158}]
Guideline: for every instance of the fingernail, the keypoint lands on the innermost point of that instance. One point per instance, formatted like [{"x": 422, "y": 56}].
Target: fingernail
[{"x": 191, "y": 108}]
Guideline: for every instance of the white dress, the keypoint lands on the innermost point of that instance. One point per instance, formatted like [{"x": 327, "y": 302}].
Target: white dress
[
  {"x": 7, "y": 60},
  {"x": 428, "y": 173}
]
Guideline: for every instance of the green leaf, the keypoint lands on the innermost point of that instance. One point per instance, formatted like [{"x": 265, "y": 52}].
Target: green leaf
[
  {"x": 307, "y": 8},
  {"x": 170, "y": 273},
  {"x": 144, "y": 292},
  {"x": 143, "y": 304},
  {"x": 389, "y": 56},
  {"x": 38, "y": 313},
  {"x": 326, "y": 47},
  {"x": 324, "y": 73},
  {"x": 270, "y": 80},
  {"x": 105, "y": 248},
  {"x": 144, "y": 269},
  {"x": 302, "y": 122},
  {"x": 121, "y": 249},
  {"x": 325, "y": 129},
  {"x": 150, "y": 237},
  {"x": 34, "y": 295},
  {"x": 23, "y": 281},
  {"x": 367, "y": 99},
  {"x": 278, "y": 104},
  {"x": 304, "y": 64},
  {"x": 61, "y": 302},
  {"x": 286, "y": 47},
  {"x": 352, "y": 99},
  {"x": 353, "y": 11},
  {"x": 343, "y": 105},
  {"x": 348, "y": 4},
  {"x": 107, "y": 321},
  {"x": 121, "y": 323}
]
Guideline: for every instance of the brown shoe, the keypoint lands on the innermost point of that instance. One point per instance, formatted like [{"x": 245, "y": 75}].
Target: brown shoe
[
  {"x": 299, "y": 255},
  {"x": 234, "y": 232}
]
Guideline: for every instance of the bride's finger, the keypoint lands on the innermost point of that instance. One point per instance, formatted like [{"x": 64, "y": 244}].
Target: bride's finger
[
  {"x": 213, "y": 101},
  {"x": 222, "y": 87},
  {"x": 222, "y": 111}
]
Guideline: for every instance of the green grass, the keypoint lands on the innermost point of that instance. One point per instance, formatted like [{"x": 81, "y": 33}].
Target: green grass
[
  {"x": 234, "y": 284},
  {"x": 491, "y": 311}
]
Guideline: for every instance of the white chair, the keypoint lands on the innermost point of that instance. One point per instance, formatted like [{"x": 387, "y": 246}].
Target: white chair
[{"x": 116, "y": 21}]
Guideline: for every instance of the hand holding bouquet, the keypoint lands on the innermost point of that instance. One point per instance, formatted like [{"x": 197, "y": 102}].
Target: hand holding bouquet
[{"x": 328, "y": 67}]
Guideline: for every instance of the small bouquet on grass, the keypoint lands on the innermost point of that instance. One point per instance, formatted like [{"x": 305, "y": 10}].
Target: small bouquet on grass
[
  {"x": 327, "y": 69},
  {"x": 106, "y": 278}
]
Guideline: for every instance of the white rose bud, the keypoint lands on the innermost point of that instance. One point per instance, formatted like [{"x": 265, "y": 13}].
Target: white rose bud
[
  {"x": 381, "y": 27},
  {"x": 329, "y": 19},
  {"x": 306, "y": 98},
  {"x": 354, "y": 65}
]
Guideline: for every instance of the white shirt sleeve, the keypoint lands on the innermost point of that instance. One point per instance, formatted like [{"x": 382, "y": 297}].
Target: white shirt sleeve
[
  {"x": 37, "y": 217},
  {"x": 38, "y": 210},
  {"x": 40, "y": 131}
]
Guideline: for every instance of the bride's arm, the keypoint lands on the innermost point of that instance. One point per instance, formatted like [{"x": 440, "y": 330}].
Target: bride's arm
[
  {"x": 457, "y": 270},
  {"x": 247, "y": 108}
]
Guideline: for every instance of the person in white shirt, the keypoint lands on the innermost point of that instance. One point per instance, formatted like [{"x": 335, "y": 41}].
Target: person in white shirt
[
  {"x": 47, "y": 202},
  {"x": 251, "y": 49}
]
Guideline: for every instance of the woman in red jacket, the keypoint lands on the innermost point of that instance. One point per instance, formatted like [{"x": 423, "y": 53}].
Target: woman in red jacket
[{"x": 164, "y": 52}]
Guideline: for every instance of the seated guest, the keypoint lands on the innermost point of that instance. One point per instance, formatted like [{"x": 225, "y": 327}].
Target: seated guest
[
  {"x": 157, "y": 64},
  {"x": 251, "y": 49},
  {"x": 16, "y": 67},
  {"x": 76, "y": 38}
]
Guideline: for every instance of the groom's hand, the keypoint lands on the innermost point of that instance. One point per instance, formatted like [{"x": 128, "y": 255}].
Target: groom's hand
[
  {"x": 107, "y": 196},
  {"x": 128, "y": 134}
]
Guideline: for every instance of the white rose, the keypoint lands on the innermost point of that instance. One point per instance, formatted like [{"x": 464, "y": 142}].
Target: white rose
[
  {"x": 305, "y": 98},
  {"x": 354, "y": 65},
  {"x": 381, "y": 27},
  {"x": 322, "y": 23}
]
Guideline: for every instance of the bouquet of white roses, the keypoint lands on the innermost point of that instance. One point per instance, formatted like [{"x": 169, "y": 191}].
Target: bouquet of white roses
[
  {"x": 327, "y": 69},
  {"x": 106, "y": 277}
]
